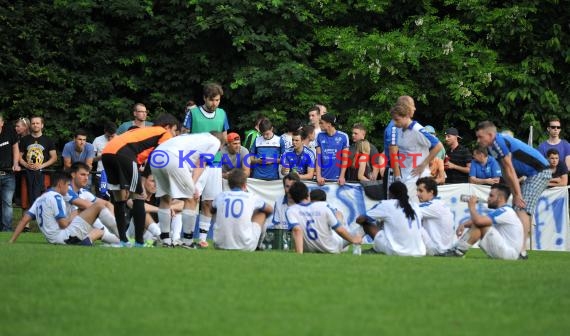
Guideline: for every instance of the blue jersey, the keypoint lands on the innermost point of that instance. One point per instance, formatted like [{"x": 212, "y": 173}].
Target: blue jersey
[
  {"x": 331, "y": 146},
  {"x": 301, "y": 162},
  {"x": 527, "y": 161},
  {"x": 391, "y": 135},
  {"x": 489, "y": 170},
  {"x": 269, "y": 150}
]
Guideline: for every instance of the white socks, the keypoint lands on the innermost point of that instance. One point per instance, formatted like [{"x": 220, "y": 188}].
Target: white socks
[
  {"x": 189, "y": 221},
  {"x": 205, "y": 223},
  {"x": 164, "y": 219}
]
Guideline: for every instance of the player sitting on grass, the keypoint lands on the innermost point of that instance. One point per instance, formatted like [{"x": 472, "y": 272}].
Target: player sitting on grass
[
  {"x": 59, "y": 227},
  {"x": 240, "y": 216},
  {"x": 79, "y": 198},
  {"x": 437, "y": 219},
  {"x": 500, "y": 232},
  {"x": 314, "y": 226},
  {"x": 401, "y": 233}
]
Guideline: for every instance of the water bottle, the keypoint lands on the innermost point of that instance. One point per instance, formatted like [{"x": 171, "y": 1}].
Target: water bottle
[
  {"x": 465, "y": 198},
  {"x": 356, "y": 249}
]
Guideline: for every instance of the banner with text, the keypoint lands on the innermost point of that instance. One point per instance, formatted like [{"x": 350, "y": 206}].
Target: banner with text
[{"x": 550, "y": 224}]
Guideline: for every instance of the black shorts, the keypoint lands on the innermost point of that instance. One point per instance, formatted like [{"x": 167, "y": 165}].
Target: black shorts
[{"x": 122, "y": 173}]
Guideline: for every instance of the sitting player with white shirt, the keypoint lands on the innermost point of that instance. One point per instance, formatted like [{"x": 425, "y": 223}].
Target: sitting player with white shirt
[
  {"x": 240, "y": 215},
  {"x": 56, "y": 224},
  {"x": 314, "y": 226},
  {"x": 499, "y": 233},
  {"x": 437, "y": 219},
  {"x": 402, "y": 229}
]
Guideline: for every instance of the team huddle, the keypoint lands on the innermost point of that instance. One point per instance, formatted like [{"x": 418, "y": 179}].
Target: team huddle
[{"x": 162, "y": 177}]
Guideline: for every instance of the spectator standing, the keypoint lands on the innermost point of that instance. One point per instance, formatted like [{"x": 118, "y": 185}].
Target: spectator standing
[
  {"x": 37, "y": 152},
  {"x": 140, "y": 113},
  {"x": 458, "y": 161},
  {"x": 299, "y": 159},
  {"x": 554, "y": 129},
  {"x": 204, "y": 119},
  {"x": 314, "y": 120},
  {"x": 484, "y": 168},
  {"x": 441, "y": 153},
  {"x": 9, "y": 156},
  {"x": 22, "y": 127},
  {"x": 234, "y": 155},
  {"x": 78, "y": 150},
  {"x": 559, "y": 171},
  {"x": 330, "y": 144},
  {"x": 266, "y": 153},
  {"x": 516, "y": 157},
  {"x": 191, "y": 104},
  {"x": 375, "y": 162},
  {"x": 308, "y": 137},
  {"x": 292, "y": 125},
  {"x": 109, "y": 132},
  {"x": 252, "y": 134}
]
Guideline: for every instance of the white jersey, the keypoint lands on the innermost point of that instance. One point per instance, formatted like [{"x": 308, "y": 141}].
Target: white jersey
[
  {"x": 414, "y": 144},
  {"x": 318, "y": 223},
  {"x": 48, "y": 209},
  {"x": 279, "y": 218},
  {"x": 98, "y": 144},
  {"x": 233, "y": 228},
  {"x": 402, "y": 235},
  {"x": 191, "y": 146},
  {"x": 437, "y": 221},
  {"x": 509, "y": 226}
]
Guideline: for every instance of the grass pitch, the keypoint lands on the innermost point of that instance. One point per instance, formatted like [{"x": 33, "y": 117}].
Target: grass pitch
[{"x": 60, "y": 290}]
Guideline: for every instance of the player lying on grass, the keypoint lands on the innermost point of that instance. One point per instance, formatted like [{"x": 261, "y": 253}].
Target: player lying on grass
[
  {"x": 500, "y": 233},
  {"x": 314, "y": 226},
  {"x": 240, "y": 215},
  {"x": 57, "y": 225}
]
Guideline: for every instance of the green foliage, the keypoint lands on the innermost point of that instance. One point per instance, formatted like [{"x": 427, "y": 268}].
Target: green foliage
[{"x": 84, "y": 62}]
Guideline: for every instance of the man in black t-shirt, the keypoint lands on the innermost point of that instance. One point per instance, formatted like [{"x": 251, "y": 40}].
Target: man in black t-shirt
[
  {"x": 458, "y": 159},
  {"x": 9, "y": 155},
  {"x": 37, "y": 152}
]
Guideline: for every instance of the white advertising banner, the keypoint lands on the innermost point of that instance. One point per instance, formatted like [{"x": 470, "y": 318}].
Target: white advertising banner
[{"x": 550, "y": 224}]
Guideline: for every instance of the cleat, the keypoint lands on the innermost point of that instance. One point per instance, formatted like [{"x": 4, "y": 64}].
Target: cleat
[
  {"x": 203, "y": 244},
  {"x": 127, "y": 244},
  {"x": 523, "y": 257},
  {"x": 454, "y": 252}
]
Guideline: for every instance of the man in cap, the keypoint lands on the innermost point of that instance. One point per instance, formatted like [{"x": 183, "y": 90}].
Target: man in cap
[
  {"x": 234, "y": 155},
  {"x": 431, "y": 130},
  {"x": 459, "y": 162}
]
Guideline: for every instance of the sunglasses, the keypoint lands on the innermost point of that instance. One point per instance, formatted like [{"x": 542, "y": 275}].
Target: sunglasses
[{"x": 555, "y": 127}]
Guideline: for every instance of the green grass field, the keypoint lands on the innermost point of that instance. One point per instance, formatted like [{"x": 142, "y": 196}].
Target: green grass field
[{"x": 59, "y": 290}]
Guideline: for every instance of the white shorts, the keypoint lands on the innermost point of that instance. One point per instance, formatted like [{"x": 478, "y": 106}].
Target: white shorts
[
  {"x": 382, "y": 245},
  {"x": 431, "y": 246},
  {"x": 493, "y": 244},
  {"x": 174, "y": 180},
  {"x": 250, "y": 236},
  {"x": 77, "y": 228},
  {"x": 211, "y": 180}
]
